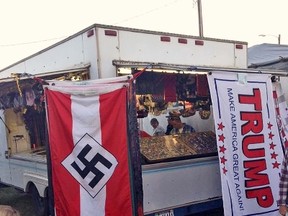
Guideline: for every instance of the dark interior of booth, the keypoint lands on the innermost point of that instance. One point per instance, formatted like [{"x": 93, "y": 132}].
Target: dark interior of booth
[
  {"x": 22, "y": 102},
  {"x": 158, "y": 95},
  {"x": 162, "y": 94}
]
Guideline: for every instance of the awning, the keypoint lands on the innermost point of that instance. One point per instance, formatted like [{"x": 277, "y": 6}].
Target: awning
[
  {"x": 24, "y": 80},
  {"x": 124, "y": 67}
]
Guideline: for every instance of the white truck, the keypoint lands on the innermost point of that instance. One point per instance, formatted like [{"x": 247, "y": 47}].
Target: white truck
[{"x": 171, "y": 186}]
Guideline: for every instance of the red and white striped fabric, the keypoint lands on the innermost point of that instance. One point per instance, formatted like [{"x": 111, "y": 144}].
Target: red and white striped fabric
[
  {"x": 281, "y": 112},
  {"x": 87, "y": 129}
]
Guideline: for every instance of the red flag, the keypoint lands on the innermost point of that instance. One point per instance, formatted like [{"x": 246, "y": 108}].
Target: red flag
[{"x": 88, "y": 150}]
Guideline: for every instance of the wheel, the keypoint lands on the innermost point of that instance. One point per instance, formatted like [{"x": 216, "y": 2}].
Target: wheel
[
  {"x": 3, "y": 185},
  {"x": 40, "y": 203}
]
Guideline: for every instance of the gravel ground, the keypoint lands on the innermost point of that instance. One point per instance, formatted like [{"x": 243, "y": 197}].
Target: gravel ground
[
  {"x": 23, "y": 202},
  {"x": 17, "y": 199}
]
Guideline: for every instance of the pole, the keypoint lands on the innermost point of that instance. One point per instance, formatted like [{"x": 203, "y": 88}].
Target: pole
[
  {"x": 200, "y": 19},
  {"x": 278, "y": 37},
  {"x": 5, "y": 125}
]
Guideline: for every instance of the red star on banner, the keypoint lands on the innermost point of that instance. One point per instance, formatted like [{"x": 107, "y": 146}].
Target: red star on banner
[
  {"x": 224, "y": 170},
  {"x": 220, "y": 126},
  {"x": 272, "y": 145},
  {"x": 223, "y": 160},
  {"x": 276, "y": 165},
  {"x": 222, "y": 149},
  {"x": 274, "y": 155},
  {"x": 221, "y": 138},
  {"x": 269, "y": 126},
  {"x": 271, "y": 135}
]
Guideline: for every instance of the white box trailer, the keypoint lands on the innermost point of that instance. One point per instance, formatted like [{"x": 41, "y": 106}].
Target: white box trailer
[
  {"x": 178, "y": 187},
  {"x": 99, "y": 45}
]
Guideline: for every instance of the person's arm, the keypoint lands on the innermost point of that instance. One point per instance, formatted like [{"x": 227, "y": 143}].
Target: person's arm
[
  {"x": 168, "y": 129},
  {"x": 188, "y": 129},
  {"x": 283, "y": 186},
  {"x": 282, "y": 210}
]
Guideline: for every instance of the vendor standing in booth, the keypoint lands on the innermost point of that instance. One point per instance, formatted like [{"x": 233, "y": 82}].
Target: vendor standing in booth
[
  {"x": 157, "y": 129},
  {"x": 169, "y": 126},
  {"x": 178, "y": 126}
]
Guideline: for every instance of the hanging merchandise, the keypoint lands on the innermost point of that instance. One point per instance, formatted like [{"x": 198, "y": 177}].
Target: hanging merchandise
[
  {"x": 189, "y": 109},
  {"x": 5, "y": 101},
  {"x": 140, "y": 108},
  {"x": 149, "y": 103},
  {"x": 2, "y": 105},
  {"x": 160, "y": 104},
  {"x": 150, "y": 83},
  {"x": 34, "y": 115},
  {"x": 16, "y": 77},
  {"x": 17, "y": 103},
  {"x": 142, "y": 113},
  {"x": 186, "y": 87},
  {"x": 29, "y": 97},
  {"x": 204, "y": 114},
  {"x": 202, "y": 85},
  {"x": 203, "y": 104},
  {"x": 150, "y": 98},
  {"x": 204, "y": 108},
  {"x": 170, "y": 88}
]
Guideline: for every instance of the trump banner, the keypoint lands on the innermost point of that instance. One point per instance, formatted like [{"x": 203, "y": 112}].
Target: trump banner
[
  {"x": 249, "y": 147},
  {"x": 89, "y": 155}
]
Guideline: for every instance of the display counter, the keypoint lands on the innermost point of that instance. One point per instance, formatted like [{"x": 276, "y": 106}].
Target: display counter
[{"x": 178, "y": 147}]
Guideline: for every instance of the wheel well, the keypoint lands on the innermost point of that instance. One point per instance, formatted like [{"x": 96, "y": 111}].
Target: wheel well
[
  {"x": 46, "y": 192},
  {"x": 31, "y": 184},
  {"x": 40, "y": 202},
  {"x": 29, "y": 187}
]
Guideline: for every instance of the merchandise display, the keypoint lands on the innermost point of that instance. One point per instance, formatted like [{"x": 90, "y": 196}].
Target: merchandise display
[{"x": 177, "y": 147}]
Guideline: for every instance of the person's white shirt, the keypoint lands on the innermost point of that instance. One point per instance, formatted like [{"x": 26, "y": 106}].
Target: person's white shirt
[{"x": 158, "y": 131}]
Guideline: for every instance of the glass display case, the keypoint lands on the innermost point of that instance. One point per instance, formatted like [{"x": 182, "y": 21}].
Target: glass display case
[{"x": 178, "y": 147}]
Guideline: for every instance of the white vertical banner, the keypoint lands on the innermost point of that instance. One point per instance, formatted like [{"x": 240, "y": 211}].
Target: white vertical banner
[{"x": 249, "y": 145}]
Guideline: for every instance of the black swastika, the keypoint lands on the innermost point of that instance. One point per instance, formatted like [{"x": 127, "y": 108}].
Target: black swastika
[{"x": 90, "y": 165}]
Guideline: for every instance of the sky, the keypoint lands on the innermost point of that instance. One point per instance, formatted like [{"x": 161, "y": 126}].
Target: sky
[{"x": 31, "y": 25}]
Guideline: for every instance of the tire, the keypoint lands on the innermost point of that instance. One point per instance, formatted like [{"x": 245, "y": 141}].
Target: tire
[
  {"x": 3, "y": 185},
  {"x": 40, "y": 203}
]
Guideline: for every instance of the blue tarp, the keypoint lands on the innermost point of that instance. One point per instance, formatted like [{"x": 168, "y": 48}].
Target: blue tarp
[{"x": 268, "y": 56}]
